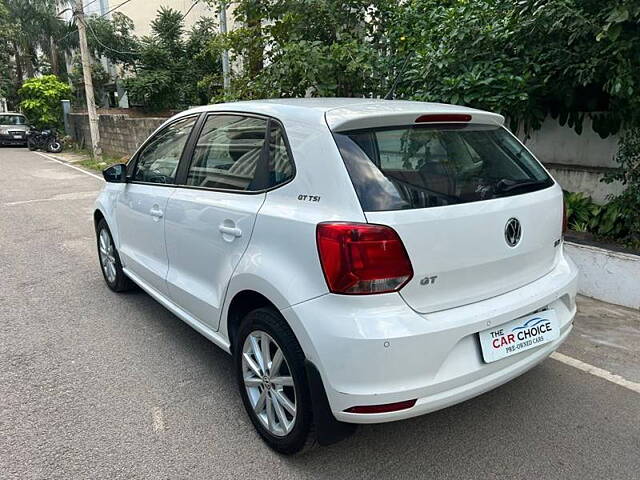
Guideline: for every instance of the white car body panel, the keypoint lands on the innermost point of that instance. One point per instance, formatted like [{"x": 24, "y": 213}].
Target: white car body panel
[
  {"x": 385, "y": 114},
  {"x": 387, "y": 352},
  {"x": 418, "y": 343},
  {"x": 484, "y": 265},
  {"x": 202, "y": 258},
  {"x": 141, "y": 232}
]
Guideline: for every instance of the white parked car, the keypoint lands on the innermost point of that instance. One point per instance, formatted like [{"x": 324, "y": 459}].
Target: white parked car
[{"x": 363, "y": 261}]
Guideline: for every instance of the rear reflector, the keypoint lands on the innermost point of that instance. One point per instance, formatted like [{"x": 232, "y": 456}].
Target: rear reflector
[
  {"x": 360, "y": 258},
  {"x": 443, "y": 117},
  {"x": 387, "y": 407}
]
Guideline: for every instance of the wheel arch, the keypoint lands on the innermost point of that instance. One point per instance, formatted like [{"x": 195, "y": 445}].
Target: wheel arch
[
  {"x": 328, "y": 429},
  {"x": 240, "y": 305},
  {"x": 257, "y": 288},
  {"x": 104, "y": 208},
  {"x": 97, "y": 216}
]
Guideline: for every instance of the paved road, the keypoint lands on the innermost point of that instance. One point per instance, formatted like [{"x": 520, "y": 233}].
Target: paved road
[{"x": 99, "y": 385}]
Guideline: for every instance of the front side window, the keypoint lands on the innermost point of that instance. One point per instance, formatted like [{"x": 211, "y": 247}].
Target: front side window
[
  {"x": 158, "y": 161},
  {"x": 229, "y": 154},
  {"x": 422, "y": 166}
]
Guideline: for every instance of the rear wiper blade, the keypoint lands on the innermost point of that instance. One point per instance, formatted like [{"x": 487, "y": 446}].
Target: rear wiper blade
[{"x": 507, "y": 185}]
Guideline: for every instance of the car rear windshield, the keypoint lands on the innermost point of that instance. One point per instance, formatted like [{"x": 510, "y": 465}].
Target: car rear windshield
[
  {"x": 423, "y": 166},
  {"x": 12, "y": 120}
]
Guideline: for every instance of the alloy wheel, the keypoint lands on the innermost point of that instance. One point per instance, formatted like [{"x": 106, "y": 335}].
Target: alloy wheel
[
  {"x": 269, "y": 383},
  {"x": 107, "y": 256}
]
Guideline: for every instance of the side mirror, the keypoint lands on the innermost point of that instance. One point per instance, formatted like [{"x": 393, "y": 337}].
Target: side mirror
[{"x": 115, "y": 173}]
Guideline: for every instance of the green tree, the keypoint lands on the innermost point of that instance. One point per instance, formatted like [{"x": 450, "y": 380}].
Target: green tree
[
  {"x": 113, "y": 39},
  {"x": 28, "y": 46},
  {"x": 525, "y": 59},
  {"x": 41, "y": 100},
  {"x": 99, "y": 76},
  {"x": 159, "y": 68},
  {"x": 203, "y": 76},
  {"x": 6, "y": 68},
  {"x": 300, "y": 47},
  {"x": 174, "y": 69}
]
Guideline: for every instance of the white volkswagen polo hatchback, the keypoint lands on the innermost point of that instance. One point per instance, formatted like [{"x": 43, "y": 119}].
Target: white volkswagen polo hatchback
[{"x": 362, "y": 260}]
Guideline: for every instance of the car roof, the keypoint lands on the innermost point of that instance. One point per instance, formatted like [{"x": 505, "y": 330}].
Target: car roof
[{"x": 348, "y": 113}]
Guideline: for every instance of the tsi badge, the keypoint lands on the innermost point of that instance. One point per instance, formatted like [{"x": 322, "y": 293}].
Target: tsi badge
[{"x": 429, "y": 280}]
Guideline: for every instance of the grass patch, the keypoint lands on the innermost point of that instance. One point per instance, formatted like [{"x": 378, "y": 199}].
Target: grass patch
[{"x": 93, "y": 164}]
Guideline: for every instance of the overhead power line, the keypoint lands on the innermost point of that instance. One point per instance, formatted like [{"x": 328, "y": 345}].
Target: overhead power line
[
  {"x": 114, "y": 8},
  {"x": 100, "y": 16},
  {"x": 191, "y": 8},
  {"x": 93, "y": 33}
]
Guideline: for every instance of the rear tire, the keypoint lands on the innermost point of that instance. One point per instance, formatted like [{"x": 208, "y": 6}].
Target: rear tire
[
  {"x": 109, "y": 259},
  {"x": 276, "y": 397}
]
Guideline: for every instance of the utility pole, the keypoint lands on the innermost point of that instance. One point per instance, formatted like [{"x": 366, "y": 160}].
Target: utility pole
[
  {"x": 225, "y": 52},
  {"x": 78, "y": 12}
]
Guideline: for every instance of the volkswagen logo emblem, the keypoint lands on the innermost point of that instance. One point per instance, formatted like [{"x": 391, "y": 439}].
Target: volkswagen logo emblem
[{"x": 513, "y": 232}]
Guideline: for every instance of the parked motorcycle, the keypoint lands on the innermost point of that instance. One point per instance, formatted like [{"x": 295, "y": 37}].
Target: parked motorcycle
[{"x": 44, "y": 140}]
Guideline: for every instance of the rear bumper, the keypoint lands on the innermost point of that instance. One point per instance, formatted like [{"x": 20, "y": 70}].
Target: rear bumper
[{"x": 377, "y": 350}]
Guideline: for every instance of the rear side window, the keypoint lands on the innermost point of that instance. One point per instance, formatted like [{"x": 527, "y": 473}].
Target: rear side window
[
  {"x": 280, "y": 167},
  {"x": 242, "y": 153},
  {"x": 434, "y": 165}
]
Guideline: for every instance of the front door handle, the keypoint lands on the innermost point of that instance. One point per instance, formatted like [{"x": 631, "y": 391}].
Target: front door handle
[
  {"x": 155, "y": 212},
  {"x": 225, "y": 230}
]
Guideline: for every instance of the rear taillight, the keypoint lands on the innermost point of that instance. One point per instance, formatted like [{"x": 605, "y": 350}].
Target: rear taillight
[
  {"x": 565, "y": 225},
  {"x": 359, "y": 258}
]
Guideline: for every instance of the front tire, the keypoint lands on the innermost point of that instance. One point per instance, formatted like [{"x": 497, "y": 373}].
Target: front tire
[
  {"x": 110, "y": 264},
  {"x": 30, "y": 145},
  {"x": 273, "y": 385},
  {"x": 54, "y": 146}
]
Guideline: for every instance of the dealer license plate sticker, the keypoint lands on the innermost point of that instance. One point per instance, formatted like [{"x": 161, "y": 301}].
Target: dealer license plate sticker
[{"x": 519, "y": 335}]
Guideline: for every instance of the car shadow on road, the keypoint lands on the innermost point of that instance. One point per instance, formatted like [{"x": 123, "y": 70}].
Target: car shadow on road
[{"x": 522, "y": 426}]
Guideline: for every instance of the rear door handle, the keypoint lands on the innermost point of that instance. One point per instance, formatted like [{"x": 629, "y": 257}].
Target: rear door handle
[{"x": 235, "y": 231}]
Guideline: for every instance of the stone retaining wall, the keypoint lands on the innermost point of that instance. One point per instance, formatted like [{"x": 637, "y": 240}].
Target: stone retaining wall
[
  {"x": 120, "y": 135},
  {"x": 606, "y": 275}
]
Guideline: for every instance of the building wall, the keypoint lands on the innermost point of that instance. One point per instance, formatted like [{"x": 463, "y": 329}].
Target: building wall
[
  {"x": 144, "y": 12},
  {"x": 120, "y": 135},
  {"x": 577, "y": 162}
]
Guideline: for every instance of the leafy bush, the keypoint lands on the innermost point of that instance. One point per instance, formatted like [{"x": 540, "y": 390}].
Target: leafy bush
[
  {"x": 41, "y": 100},
  {"x": 616, "y": 220},
  {"x": 628, "y": 173},
  {"x": 581, "y": 211}
]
